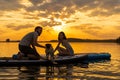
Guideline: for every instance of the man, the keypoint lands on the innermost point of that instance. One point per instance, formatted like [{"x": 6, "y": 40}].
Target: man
[{"x": 28, "y": 43}]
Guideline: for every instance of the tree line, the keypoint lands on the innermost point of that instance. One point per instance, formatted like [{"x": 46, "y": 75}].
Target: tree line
[{"x": 77, "y": 40}]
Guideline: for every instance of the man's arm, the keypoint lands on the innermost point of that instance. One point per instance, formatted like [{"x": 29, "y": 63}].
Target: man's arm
[
  {"x": 36, "y": 43},
  {"x": 39, "y": 45}
]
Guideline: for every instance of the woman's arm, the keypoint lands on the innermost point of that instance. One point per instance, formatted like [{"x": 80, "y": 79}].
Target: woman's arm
[{"x": 56, "y": 47}]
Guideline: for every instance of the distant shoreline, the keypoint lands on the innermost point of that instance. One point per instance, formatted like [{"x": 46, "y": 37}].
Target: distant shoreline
[
  {"x": 86, "y": 40},
  {"x": 74, "y": 40}
]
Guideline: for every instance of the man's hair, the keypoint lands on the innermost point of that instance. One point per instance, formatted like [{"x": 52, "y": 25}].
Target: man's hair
[{"x": 38, "y": 27}]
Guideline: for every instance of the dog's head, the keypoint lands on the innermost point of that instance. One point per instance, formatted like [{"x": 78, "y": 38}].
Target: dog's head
[{"x": 48, "y": 46}]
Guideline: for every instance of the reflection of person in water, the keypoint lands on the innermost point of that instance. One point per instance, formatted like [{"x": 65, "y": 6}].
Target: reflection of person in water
[
  {"x": 49, "y": 72},
  {"x": 60, "y": 70},
  {"x": 66, "y": 72},
  {"x": 29, "y": 73},
  {"x": 67, "y": 50}
]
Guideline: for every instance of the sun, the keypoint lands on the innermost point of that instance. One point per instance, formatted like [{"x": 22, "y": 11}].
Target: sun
[{"x": 58, "y": 28}]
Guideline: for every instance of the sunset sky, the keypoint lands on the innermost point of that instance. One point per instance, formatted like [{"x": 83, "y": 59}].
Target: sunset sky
[{"x": 86, "y": 19}]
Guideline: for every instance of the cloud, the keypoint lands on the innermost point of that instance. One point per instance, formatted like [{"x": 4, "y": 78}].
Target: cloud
[
  {"x": 36, "y": 2},
  {"x": 105, "y": 8},
  {"x": 8, "y": 5},
  {"x": 92, "y": 30},
  {"x": 70, "y": 21},
  {"x": 50, "y": 24},
  {"x": 19, "y": 27},
  {"x": 49, "y": 5},
  {"x": 53, "y": 7},
  {"x": 88, "y": 28},
  {"x": 1, "y": 31},
  {"x": 117, "y": 27},
  {"x": 98, "y": 7},
  {"x": 62, "y": 8}
]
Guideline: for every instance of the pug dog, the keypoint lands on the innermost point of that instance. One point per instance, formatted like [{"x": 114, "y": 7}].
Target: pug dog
[{"x": 49, "y": 52}]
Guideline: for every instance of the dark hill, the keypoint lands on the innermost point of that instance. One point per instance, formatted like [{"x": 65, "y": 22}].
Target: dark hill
[{"x": 86, "y": 40}]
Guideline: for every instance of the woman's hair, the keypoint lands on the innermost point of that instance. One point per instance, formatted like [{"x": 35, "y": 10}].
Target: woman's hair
[{"x": 64, "y": 37}]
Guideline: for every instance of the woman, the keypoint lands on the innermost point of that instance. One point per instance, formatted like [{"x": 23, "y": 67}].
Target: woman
[{"x": 67, "y": 50}]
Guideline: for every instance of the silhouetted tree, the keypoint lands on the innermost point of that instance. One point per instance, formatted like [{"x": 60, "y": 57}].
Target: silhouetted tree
[
  {"x": 118, "y": 40},
  {"x": 7, "y": 40}
]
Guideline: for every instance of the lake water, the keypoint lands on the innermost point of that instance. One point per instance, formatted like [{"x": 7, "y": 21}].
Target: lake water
[{"x": 109, "y": 70}]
